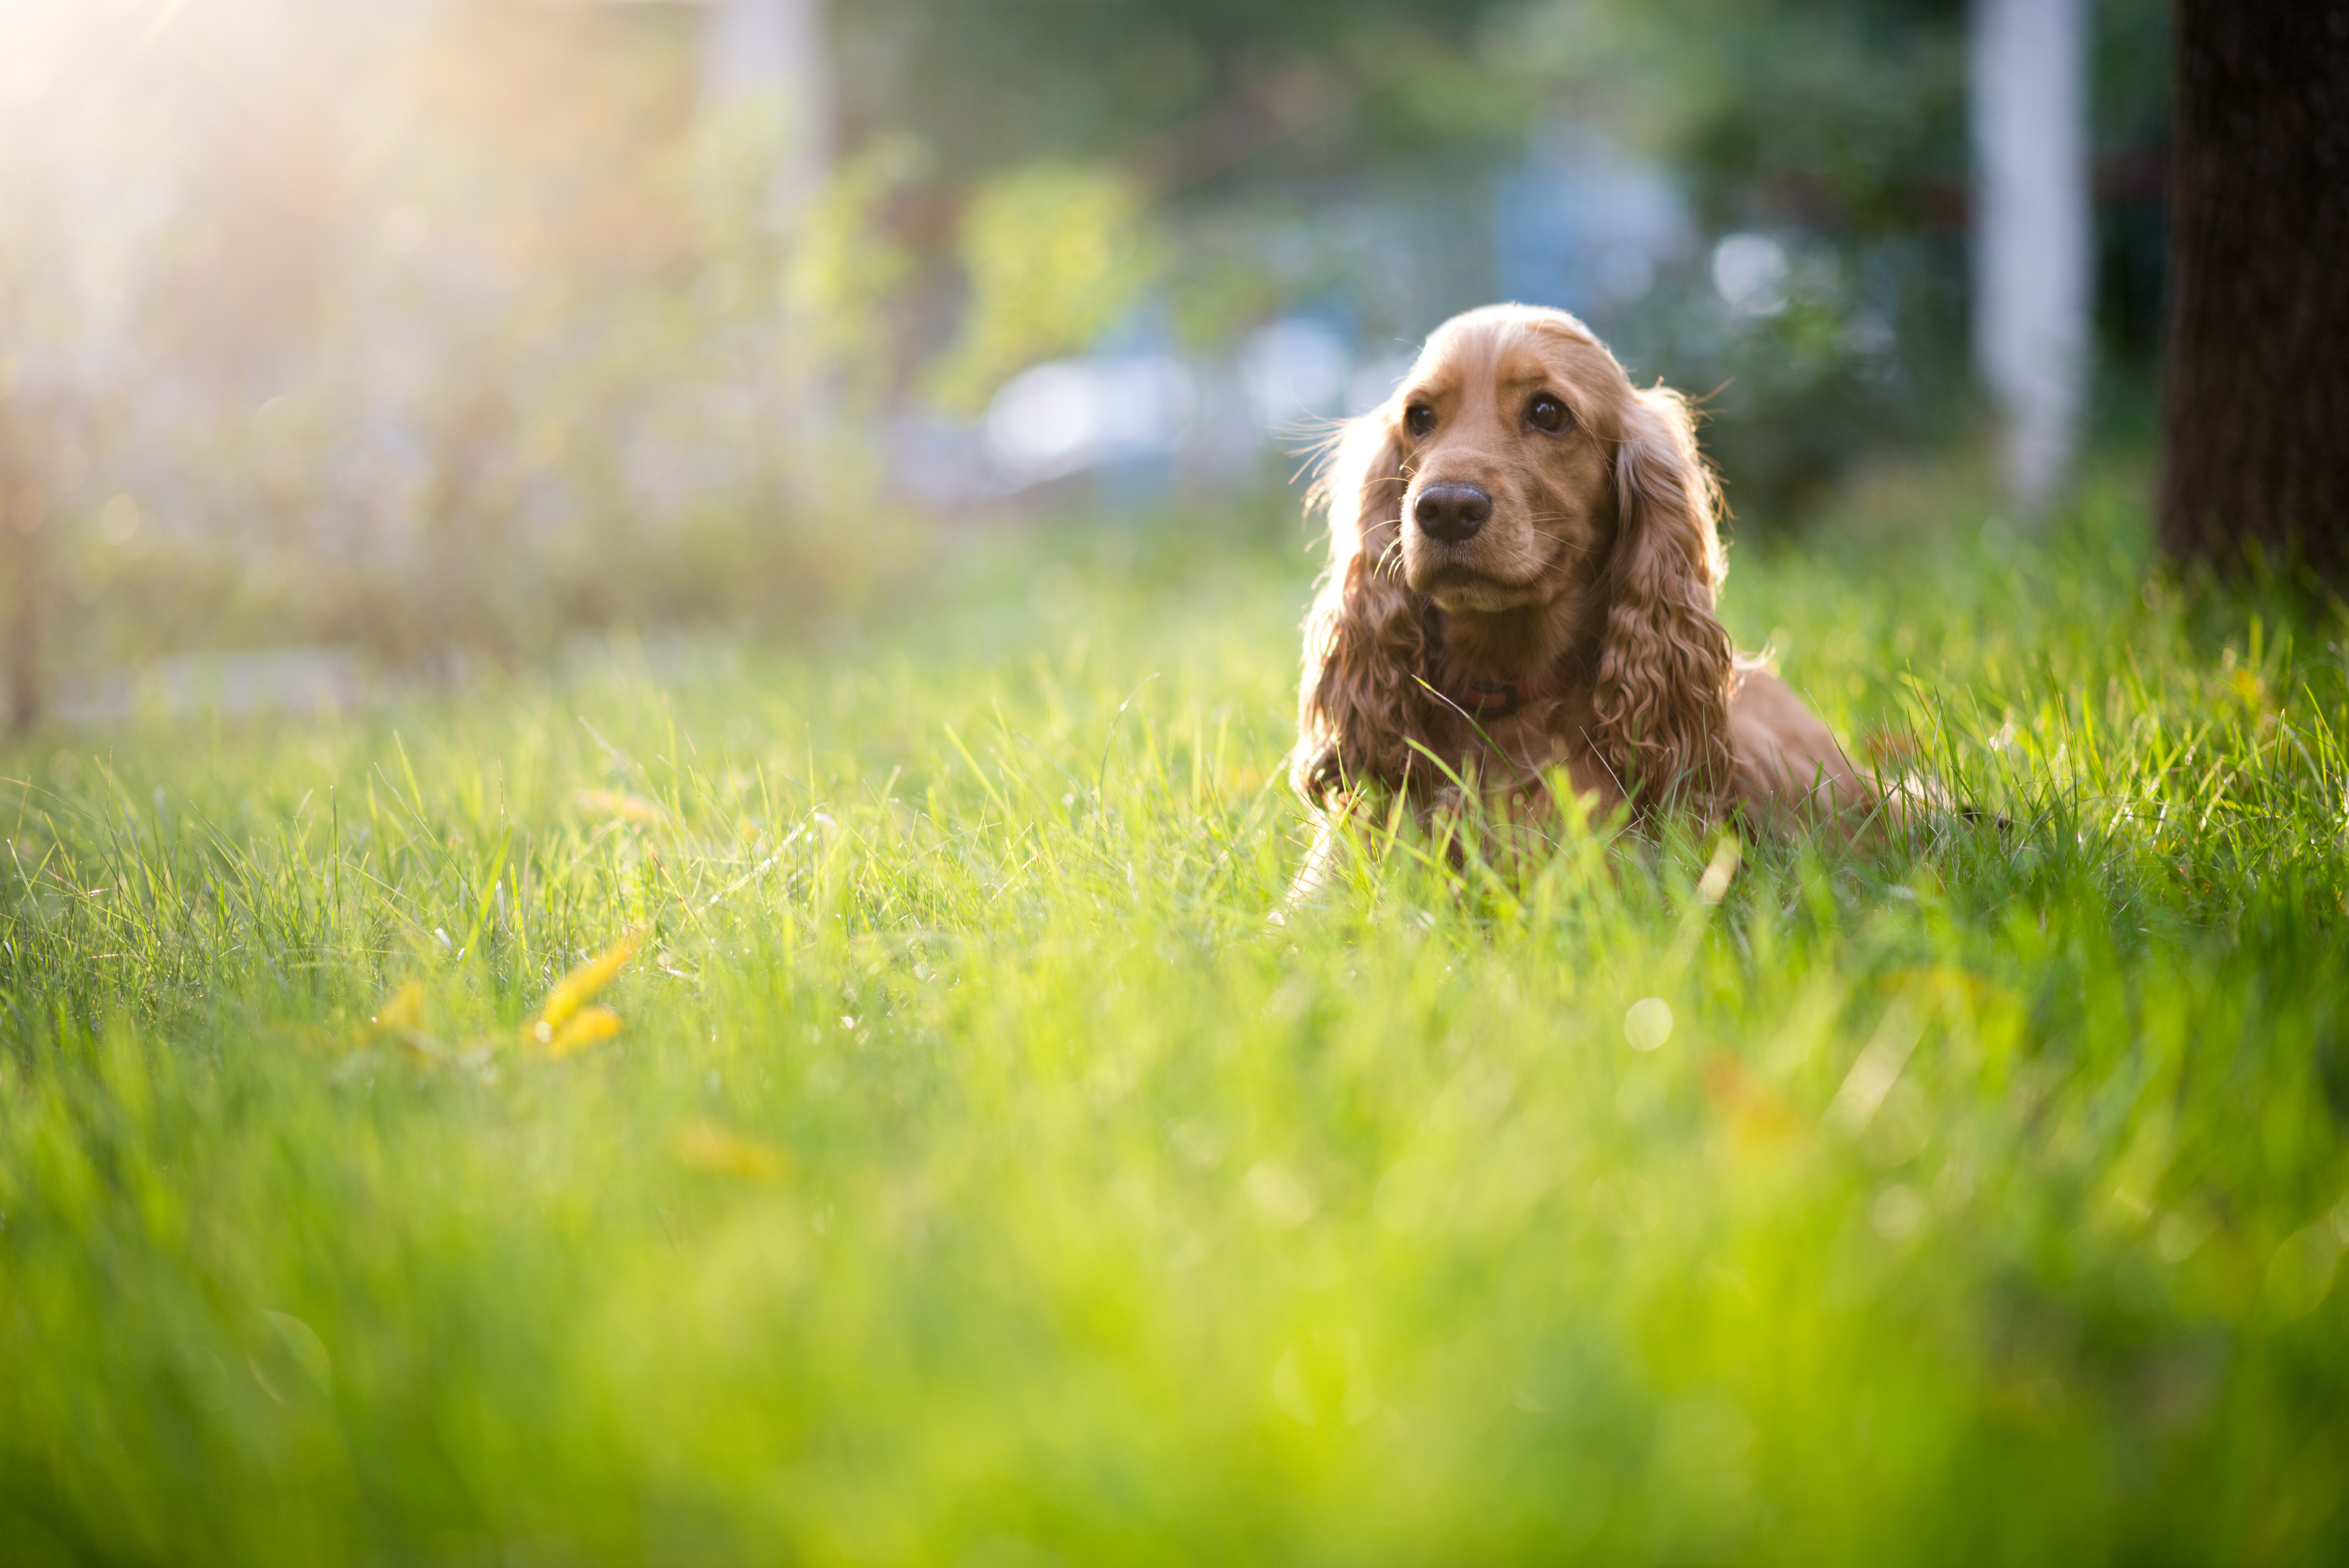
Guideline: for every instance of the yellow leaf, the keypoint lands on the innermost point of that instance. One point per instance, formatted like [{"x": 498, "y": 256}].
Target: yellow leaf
[
  {"x": 579, "y": 987},
  {"x": 588, "y": 1026},
  {"x": 403, "y": 1009},
  {"x": 706, "y": 1146},
  {"x": 401, "y": 1012}
]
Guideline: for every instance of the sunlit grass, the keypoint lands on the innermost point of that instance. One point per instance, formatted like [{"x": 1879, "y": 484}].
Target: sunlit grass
[{"x": 975, "y": 1177}]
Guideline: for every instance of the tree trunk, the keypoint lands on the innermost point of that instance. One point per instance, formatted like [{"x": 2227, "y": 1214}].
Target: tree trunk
[
  {"x": 2255, "y": 400},
  {"x": 2027, "y": 84}
]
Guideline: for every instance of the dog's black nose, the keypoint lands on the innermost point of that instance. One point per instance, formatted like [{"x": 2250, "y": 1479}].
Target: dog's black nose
[{"x": 1453, "y": 511}]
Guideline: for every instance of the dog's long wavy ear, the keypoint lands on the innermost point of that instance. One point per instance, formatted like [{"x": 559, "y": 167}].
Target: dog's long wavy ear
[
  {"x": 1665, "y": 666},
  {"x": 1365, "y": 639}
]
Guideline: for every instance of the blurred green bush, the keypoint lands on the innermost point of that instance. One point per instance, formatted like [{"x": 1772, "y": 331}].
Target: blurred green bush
[{"x": 451, "y": 333}]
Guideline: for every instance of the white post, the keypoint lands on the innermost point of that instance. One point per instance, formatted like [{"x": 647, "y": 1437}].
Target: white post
[
  {"x": 773, "y": 50},
  {"x": 2034, "y": 231}
]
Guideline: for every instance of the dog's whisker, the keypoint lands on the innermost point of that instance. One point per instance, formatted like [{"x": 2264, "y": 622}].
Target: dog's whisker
[{"x": 1575, "y": 545}]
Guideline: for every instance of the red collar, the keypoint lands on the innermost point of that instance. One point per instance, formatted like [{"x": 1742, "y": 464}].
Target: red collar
[{"x": 1487, "y": 700}]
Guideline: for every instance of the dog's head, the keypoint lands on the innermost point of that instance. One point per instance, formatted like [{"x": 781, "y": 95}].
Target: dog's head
[
  {"x": 1515, "y": 471},
  {"x": 1511, "y": 434}
]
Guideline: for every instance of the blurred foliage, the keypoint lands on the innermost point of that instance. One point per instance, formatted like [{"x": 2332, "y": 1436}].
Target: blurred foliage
[
  {"x": 450, "y": 332},
  {"x": 1054, "y": 254},
  {"x": 1837, "y": 127},
  {"x": 529, "y": 347},
  {"x": 1846, "y": 116},
  {"x": 1843, "y": 115},
  {"x": 845, "y": 278},
  {"x": 994, "y": 86},
  {"x": 1863, "y": 356}
]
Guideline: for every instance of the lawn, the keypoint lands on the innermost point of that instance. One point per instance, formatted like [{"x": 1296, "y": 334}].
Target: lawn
[{"x": 976, "y": 1178}]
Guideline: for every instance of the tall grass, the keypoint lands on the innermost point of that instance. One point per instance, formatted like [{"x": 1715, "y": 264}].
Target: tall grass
[{"x": 978, "y": 1179}]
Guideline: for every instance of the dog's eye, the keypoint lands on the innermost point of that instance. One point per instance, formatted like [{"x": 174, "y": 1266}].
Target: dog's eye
[
  {"x": 1419, "y": 419},
  {"x": 1546, "y": 414}
]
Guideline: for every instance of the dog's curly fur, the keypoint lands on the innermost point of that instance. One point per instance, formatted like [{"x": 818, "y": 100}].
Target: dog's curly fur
[{"x": 1592, "y": 587}]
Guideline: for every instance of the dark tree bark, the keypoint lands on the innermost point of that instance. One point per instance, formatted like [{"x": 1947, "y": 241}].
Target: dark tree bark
[{"x": 2255, "y": 400}]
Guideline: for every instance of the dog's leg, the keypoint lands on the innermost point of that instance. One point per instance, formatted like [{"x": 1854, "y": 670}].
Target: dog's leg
[{"x": 1313, "y": 875}]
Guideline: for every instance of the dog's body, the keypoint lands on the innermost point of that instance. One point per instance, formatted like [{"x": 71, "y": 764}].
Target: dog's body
[{"x": 1525, "y": 557}]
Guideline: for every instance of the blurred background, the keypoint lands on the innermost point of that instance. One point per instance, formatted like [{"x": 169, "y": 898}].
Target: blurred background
[{"x": 345, "y": 340}]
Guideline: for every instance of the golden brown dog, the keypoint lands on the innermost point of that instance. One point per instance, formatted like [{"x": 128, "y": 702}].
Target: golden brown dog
[{"x": 1524, "y": 560}]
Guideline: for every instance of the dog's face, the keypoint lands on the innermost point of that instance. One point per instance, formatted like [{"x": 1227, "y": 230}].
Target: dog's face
[
  {"x": 1517, "y": 482},
  {"x": 1507, "y": 427}
]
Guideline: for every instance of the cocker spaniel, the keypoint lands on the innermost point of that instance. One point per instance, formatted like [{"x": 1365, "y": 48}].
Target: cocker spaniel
[{"x": 1524, "y": 560}]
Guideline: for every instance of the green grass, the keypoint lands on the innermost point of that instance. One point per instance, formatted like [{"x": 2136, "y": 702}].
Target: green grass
[{"x": 978, "y": 1180}]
